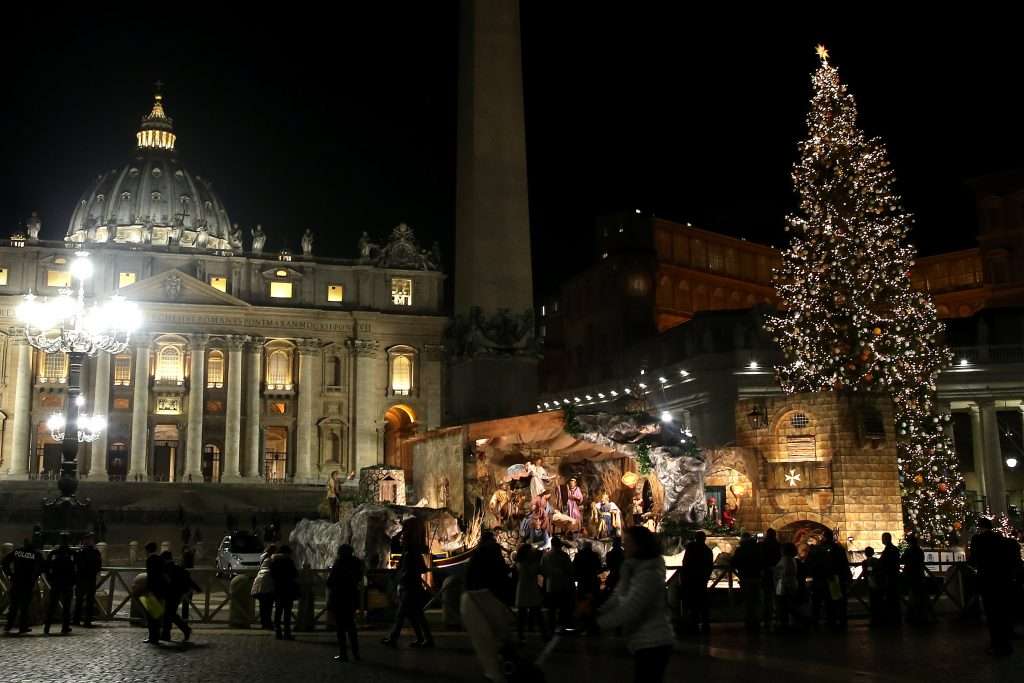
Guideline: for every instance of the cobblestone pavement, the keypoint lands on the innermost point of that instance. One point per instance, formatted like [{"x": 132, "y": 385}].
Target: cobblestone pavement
[{"x": 115, "y": 654}]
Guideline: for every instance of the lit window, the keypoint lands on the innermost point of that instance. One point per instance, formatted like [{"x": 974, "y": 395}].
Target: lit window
[
  {"x": 401, "y": 375},
  {"x": 219, "y": 283},
  {"x": 215, "y": 370},
  {"x": 125, "y": 279},
  {"x": 168, "y": 405},
  {"x": 3, "y": 277},
  {"x": 279, "y": 369},
  {"x": 280, "y": 290},
  {"x": 169, "y": 365},
  {"x": 281, "y": 273},
  {"x": 335, "y": 293},
  {"x": 799, "y": 420},
  {"x": 122, "y": 371},
  {"x": 55, "y": 368},
  {"x": 401, "y": 291},
  {"x": 58, "y": 278}
]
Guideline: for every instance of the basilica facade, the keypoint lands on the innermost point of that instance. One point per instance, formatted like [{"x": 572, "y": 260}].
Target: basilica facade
[{"x": 250, "y": 366}]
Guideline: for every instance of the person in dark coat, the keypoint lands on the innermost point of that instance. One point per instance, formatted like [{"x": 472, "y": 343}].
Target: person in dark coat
[
  {"x": 487, "y": 570},
  {"x": 746, "y": 562},
  {"x": 285, "y": 577},
  {"x": 60, "y": 573},
  {"x": 343, "y": 586},
  {"x": 698, "y": 563},
  {"x": 412, "y": 596},
  {"x": 613, "y": 559},
  {"x": 88, "y": 563},
  {"x": 919, "y": 610},
  {"x": 157, "y": 586},
  {"x": 889, "y": 582},
  {"x": 179, "y": 584},
  {"x": 23, "y": 566},
  {"x": 771, "y": 553},
  {"x": 586, "y": 569},
  {"x": 997, "y": 560}
]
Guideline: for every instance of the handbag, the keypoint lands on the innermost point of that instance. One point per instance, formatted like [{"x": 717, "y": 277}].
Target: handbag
[{"x": 153, "y": 605}]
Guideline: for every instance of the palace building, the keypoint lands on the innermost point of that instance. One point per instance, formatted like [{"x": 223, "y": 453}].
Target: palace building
[{"x": 250, "y": 366}]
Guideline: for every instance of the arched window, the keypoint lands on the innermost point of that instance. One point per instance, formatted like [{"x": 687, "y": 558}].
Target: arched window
[
  {"x": 401, "y": 375},
  {"x": 279, "y": 369},
  {"x": 215, "y": 369},
  {"x": 169, "y": 366}
]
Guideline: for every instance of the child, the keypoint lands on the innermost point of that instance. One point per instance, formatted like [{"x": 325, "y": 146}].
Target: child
[{"x": 869, "y": 574}]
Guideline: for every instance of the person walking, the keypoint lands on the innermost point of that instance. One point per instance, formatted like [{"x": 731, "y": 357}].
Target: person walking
[
  {"x": 60, "y": 573},
  {"x": 637, "y": 606},
  {"x": 156, "y": 590},
  {"x": 698, "y": 563},
  {"x": 23, "y": 566},
  {"x": 838, "y": 581},
  {"x": 188, "y": 562},
  {"x": 412, "y": 596},
  {"x": 746, "y": 562},
  {"x": 997, "y": 560},
  {"x": 771, "y": 553},
  {"x": 343, "y": 586},
  {"x": 559, "y": 592},
  {"x": 889, "y": 580},
  {"x": 529, "y": 598},
  {"x": 88, "y": 563},
  {"x": 486, "y": 569},
  {"x": 263, "y": 589},
  {"x": 786, "y": 588},
  {"x": 179, "y": 584},
  {"x": 285, "y": 577}
]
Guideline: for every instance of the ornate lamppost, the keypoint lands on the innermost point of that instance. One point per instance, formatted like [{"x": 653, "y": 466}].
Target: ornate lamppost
[{"x": 69, "y": 323}]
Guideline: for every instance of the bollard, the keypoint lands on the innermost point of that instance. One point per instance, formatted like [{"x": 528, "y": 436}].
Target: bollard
[
  {"x": 242, "y": 610},
  {"x": 102, "y": 548},
  {"x": 451, "y": 596},
  {"x": 198, "y": 549},
  {"x": 133, "y": 553}
]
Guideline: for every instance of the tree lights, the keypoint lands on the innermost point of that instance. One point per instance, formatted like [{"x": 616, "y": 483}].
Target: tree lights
[{"x": 852, "y": 322}]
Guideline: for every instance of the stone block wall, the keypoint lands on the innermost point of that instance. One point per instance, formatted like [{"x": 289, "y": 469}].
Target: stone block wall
[{"x": 846, "y": 481}]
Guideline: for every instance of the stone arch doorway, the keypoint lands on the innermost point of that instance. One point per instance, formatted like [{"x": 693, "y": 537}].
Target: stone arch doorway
[{"x": 399, "y": 425}]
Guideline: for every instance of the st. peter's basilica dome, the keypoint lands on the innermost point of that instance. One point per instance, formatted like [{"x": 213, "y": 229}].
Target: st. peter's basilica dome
[{"x": 153, "y": 199}]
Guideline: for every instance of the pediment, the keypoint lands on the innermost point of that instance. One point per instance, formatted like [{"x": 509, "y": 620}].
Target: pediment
[
  {"x": 175, "y": 287},
  {"x": 281, "y": 272}
]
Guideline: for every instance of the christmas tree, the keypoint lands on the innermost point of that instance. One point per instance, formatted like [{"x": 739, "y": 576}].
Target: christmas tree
[{"x": 851, "y": 320}]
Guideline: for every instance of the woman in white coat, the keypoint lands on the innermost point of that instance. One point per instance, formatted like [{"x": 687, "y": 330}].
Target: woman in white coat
[{"x": 263, "y": 589}]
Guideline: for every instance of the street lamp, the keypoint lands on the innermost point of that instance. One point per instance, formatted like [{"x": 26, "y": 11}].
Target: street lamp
[{"x": 67, "y": 323}]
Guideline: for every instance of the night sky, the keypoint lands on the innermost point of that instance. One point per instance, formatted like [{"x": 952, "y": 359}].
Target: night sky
[{"x": 346, "y": 122}]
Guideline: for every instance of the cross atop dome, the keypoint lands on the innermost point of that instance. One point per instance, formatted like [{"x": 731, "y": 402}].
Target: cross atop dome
[{"x": 157, "y": 130}]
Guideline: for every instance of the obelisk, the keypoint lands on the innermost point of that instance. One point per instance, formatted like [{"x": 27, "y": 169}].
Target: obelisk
[{"x": 493, "y": 372}]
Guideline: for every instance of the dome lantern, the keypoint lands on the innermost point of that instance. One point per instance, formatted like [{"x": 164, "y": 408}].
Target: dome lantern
[{"x": 157, "y": 129}]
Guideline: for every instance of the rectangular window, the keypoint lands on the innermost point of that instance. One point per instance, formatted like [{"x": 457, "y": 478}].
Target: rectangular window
[
  {"x": 125, "y": 279},
  {"x": 215, "y": 370},
  {"x": 401, "y": 291},
  {"x": 122, "y": 404},
  {"x": 168, "y": 405},
  {"x": 54, "y": 368},
  {"x": 335, "y": 293},
  {"x": 280, "y": 290},
  {"x": 122, "y": 371},
  {"x": 58, "y": 278},
  {"x": 3, "y": 277},
  {"x": 219, "y": 282}
]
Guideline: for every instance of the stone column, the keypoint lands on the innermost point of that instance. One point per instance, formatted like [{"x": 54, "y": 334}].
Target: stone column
[
  {"x": 431, "y": 376},
  {"x": 233, "y": 418},
  {"x": 364, "y": 395},
  {"x": 18, "y": 468},
  {"x": 100, "y": 406},
  {"x": 309, "y": 349},
  {"x": 995, "y": 482},
  {"x": 140, "y": 413},
  {"x": 253, "y": 352},
  {"x": 196, "y": 390}
]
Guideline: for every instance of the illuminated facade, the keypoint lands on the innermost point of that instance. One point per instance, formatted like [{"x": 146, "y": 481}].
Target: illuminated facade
[{"x": 250, "y": 366}]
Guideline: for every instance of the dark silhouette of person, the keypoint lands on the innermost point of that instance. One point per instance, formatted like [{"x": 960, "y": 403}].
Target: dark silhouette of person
[
  {"x": 60, "y": 573},
  {"x": 559, "y": 589},
  {"x": 698, "y": 563},
  {"x": 88, "y": 563},
  {"x": 771, "y": 553},
  {"x": 586, "y": 568},
  {"x": 613, "y": 559},
  {"x": 23, "y": 566},
  {"x": 746, "y": 562},
  {"x": 487, "y": 570},
  {"x": 179, "y": 583},
  {"x": 412, "y": 596},
  {"x": 997, "y": 560},
  {"x": 343, "y": 586},
  {"x": 186, "y": 535},
  {"x": 157, "y": 586},
  {"x": 870, "y": 574},
  {"x": 889, "y": 580},
  {"x": 285, "y": 577},
  {"x": 919, "y": 610}
]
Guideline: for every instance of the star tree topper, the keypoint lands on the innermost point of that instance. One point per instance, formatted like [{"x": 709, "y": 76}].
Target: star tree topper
[{"x": 822, "y": 52}]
